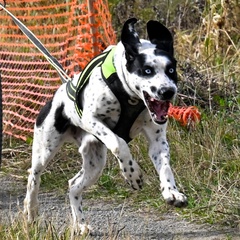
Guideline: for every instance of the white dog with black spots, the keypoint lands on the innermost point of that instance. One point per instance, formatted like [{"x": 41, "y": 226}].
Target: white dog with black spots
[{"x": 146, "y": 70}]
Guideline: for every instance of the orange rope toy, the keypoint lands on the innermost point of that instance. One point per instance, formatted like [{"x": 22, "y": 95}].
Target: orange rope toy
[{"x": 187, "y": 116}]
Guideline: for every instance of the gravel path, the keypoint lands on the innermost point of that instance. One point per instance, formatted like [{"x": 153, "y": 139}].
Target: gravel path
[{"x": 108, "y": 219}]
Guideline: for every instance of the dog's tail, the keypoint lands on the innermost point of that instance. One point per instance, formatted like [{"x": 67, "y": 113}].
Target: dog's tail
[{"x": 37, "y": 43}]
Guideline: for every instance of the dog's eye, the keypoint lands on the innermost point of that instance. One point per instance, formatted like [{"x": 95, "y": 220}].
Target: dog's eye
[
  {"x": 148, "y": 71},
  {"x": 171, "y": 70}
]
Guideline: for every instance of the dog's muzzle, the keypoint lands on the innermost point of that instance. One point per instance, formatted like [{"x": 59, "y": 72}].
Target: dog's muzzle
[{"x": 158, "y": 108}]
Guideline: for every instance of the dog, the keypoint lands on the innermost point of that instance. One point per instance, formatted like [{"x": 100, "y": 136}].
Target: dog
[{"x": 126, "y": 93}]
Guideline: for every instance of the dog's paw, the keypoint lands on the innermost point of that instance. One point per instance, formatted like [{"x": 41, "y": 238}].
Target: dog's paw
[
  {"x": 30, "y": 212},
  {"x": 83, "y": 229},
  {"x": 175, "y": 198}
]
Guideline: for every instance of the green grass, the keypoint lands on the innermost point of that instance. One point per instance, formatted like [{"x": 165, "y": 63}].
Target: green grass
[
  {"x": 207, "y": 165},
  {"x": 20, "y": 229},
  {"x": 205, "y": 162}
]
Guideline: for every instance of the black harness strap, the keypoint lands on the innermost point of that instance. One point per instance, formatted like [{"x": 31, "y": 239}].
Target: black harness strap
[
  {"x": 129, "y": 110},
  {"x": 75, "y": 91}
]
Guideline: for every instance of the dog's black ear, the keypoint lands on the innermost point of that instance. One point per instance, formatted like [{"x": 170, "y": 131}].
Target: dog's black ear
[
  {"x": 130, "y": 39},
  {"x": 158, "y": 34}
]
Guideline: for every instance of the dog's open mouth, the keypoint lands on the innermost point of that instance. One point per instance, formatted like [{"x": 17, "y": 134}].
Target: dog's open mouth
[{"x": 157, "y": 108}]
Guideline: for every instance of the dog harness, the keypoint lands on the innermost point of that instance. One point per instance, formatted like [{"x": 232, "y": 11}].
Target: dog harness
[{"x": 130, "y": 109}]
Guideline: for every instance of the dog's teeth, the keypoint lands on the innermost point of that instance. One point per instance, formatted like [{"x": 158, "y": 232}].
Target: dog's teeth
[{"x": 165, "y": 117}]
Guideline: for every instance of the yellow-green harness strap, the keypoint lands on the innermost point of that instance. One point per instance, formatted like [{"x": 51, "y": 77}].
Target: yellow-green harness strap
[
  {"x": 74, "y": 91},
  {"x": 107, "y": 66}
]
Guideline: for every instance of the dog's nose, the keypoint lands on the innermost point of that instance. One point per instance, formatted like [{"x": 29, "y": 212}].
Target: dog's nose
[{"x": 167, "y": 93}]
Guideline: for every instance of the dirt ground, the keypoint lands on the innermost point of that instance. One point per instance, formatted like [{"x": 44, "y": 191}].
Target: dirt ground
[{"x": 108, "y": 219}]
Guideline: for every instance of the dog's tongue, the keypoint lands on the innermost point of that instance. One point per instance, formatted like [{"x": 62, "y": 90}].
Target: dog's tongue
[{"x": 160, "y": 109}]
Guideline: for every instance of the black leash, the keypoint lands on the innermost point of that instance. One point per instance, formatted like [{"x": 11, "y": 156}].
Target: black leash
[
  {"x": 1, "y": 111},
  {"x": 52, "y": 60},
  {"x": 1, "y": 123}
]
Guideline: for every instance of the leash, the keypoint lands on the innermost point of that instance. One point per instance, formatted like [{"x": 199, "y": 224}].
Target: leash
[
  {"x": 37, "y": 43},
  {"x": 1, "y": 120},
  {"x": 1, "y": 110}
]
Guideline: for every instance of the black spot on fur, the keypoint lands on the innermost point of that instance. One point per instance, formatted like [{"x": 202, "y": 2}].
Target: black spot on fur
[
  {"x": 154, "y": 157},
  {"x": 138, "y": 182},
  {"x": 153, "y": 89},
  {"x": 43, "y": 113},
  {"x": 61, "y": 123},
  {"x": 98, "y": 133}
]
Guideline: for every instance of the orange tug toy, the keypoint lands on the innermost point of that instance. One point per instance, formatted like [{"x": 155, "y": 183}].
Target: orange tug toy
[{"x": 186, "y": 115}]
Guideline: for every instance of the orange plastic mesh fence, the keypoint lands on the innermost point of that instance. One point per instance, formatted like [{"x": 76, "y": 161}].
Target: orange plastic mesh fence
[{"x": 73, "y": 31}]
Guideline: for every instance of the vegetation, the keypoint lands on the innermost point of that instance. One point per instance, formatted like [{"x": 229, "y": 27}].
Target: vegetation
[{"x": 205, "y": 159}]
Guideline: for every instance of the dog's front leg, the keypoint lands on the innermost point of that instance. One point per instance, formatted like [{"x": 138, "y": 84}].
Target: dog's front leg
[
  {"x": 130, "y": 169},
  {"x": 159, "y": 154}
]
